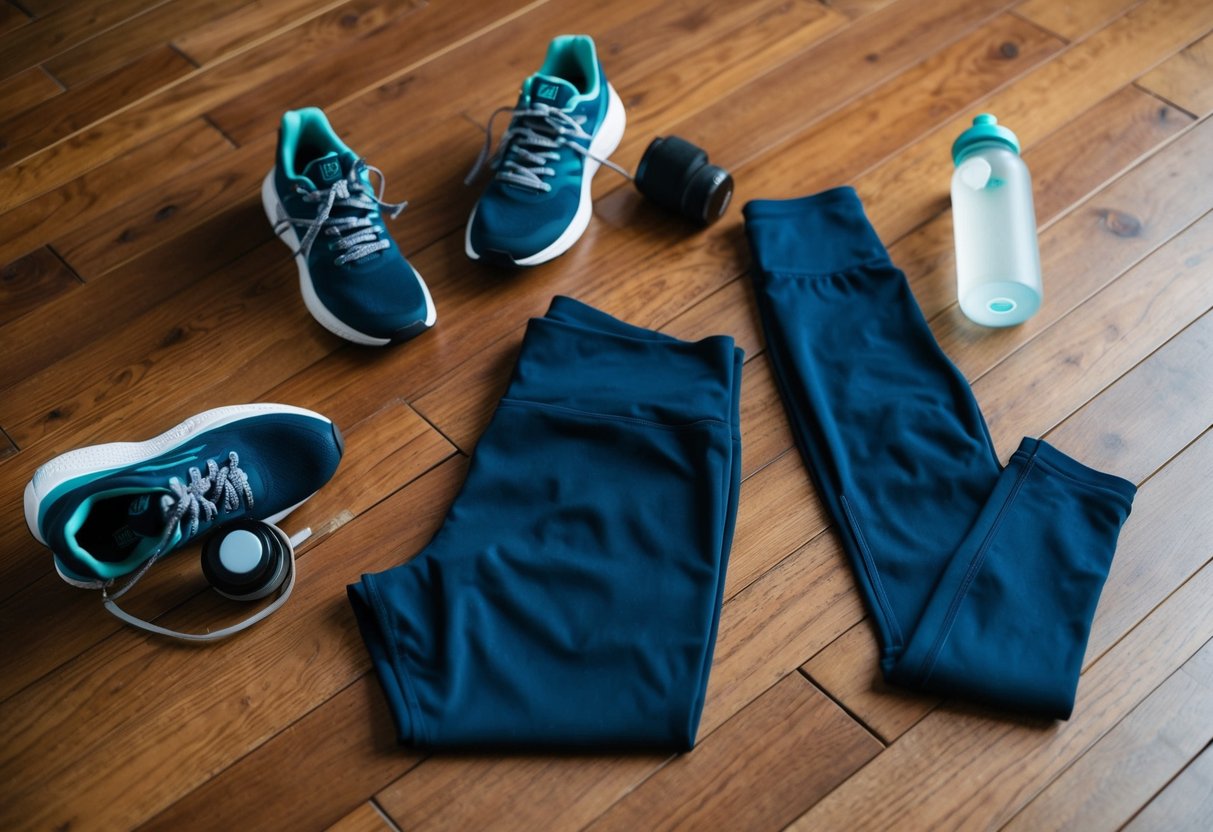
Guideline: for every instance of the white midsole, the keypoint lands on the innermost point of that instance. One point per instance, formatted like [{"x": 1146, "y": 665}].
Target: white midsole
[
  {"x": 274, "y": 212},
  {"x": 115, "y": 455},
  {"x": 602, "y": 145}
]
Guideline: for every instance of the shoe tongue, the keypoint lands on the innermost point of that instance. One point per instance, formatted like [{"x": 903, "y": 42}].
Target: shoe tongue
[
  {"x": 330, "y": 167},
  {"x": 547, "y": 89}
]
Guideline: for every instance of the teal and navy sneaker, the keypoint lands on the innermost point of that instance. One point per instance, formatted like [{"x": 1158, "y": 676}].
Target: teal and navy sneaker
[
  {"x": 568, "y": 120},
  {"x": 319, "y": 199},
  {"x": 105, "y": 511}
]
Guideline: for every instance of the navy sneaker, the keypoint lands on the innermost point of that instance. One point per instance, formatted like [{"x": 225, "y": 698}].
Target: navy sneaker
[
  {"x": 105, "y": 511},
  {"x": 568, "y": 120},
  {"x": 319, "y": 199}
]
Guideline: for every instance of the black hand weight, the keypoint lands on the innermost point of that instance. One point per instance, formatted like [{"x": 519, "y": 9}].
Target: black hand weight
[{"x": 676, "y": 175}]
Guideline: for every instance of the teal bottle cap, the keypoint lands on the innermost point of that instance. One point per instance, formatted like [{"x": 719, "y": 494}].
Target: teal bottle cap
[{"x": 985, "y": 129}]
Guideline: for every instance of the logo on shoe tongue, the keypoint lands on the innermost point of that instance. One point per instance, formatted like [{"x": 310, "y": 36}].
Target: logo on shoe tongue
[
  {"x": 548, "y": 92},
  {"x": 138, "y": 505},
  {"x": 330, "y": 169}
]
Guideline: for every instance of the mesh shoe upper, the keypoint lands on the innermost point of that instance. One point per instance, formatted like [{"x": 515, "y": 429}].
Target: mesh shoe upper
[{"x": 517, "y": 215}]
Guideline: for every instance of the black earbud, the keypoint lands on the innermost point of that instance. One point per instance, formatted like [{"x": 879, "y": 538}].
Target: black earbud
[
  {"x": 246, "y": 560},
  {"x": 676, "y": 175}
]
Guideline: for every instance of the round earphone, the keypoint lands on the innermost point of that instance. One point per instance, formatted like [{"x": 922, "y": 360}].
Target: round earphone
[{"x": 245, "y": 561}]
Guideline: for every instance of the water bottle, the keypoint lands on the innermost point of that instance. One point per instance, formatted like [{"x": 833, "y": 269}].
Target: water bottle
[{"x": 997, "y": 257}]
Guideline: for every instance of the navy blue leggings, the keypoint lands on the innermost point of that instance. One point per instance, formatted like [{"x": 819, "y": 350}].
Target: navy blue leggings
[
  {"x": 571, "y": 598},
  {"x": 982, "y": 580}
]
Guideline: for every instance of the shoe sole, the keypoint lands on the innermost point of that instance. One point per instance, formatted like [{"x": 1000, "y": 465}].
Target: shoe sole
[
  {"x": 118, "y": 455},
  {"x": 603, "y": 145},
  {"x": 275, "y": 213}
]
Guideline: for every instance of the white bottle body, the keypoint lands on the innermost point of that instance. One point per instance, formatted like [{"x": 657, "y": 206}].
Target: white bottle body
[{"x": 994, "y": 222}]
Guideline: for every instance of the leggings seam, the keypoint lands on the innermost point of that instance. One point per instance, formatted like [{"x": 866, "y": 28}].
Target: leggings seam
[
  {"x": 869, "y": 566},
  {"x": 589, "y": 414},
  {"x": 928, "y": 661}
]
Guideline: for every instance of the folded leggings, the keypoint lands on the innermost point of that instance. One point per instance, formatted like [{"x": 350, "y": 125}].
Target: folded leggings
[
  {"x": 571, "y": 598},
  {"x": 981, "y": 579}
]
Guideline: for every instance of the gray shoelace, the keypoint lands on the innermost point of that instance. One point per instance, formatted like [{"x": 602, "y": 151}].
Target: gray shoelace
[
  {"x": 357, "y": 237},
  {"x": 533, "y": 139},
  {"x": 201, "y": 499}
]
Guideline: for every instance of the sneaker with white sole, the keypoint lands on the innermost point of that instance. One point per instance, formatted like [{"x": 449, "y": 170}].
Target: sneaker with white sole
[
  {"x": 353, "y": 277},
  {"x": 566, "y": 123},
  {"x": 107, "y": 510}
]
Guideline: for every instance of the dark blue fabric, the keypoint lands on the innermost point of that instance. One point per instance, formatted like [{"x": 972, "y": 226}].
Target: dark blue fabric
[
  {"x": 982, "y": 580},
  {"x": 570, "y": 599}
]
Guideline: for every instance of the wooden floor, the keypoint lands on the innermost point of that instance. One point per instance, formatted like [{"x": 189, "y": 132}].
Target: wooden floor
[{"x": 143, "y": 284}]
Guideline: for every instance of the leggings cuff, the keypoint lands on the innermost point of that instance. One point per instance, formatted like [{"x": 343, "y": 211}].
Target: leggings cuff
[{"x": 1042, "y": 452}]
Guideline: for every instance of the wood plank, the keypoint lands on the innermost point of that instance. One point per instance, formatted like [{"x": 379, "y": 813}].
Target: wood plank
[
  {"x": 1040, "y": 384},
  {"x": 1122, "y": 428},
  {"x": 366, "y": 818},
  {"x": 512, "y": 792},
  {"x": 777, "y": 512},
  {"x": 1097, "y": 146},
  {"x": 22, "y": 91},
  {"x": 64, "y": 759},
  {"x": 32, "y": 280},
  {"x": 128, "y": 40},
  {"x": 247, "y": 24},
  {"x": 1185, "y": 79},
  {"x": 1074, "y": 18},
  {"x": 61, "y": 29},
  {"x": 849, "y": 669},
  {"x": 11, "y": 17},
  {"x": 105, "y": 188},
  {"x": 1121, "y": 772},
  {"x": 959, "y": 767},
  {"x": 7, "y": 448},
  {"x": 89, "y": 103},
  {"x": 912, "y": 187},
  {"x": 209, "y": 86},
  {"x": 762, "y": 768},
  {"x": 321, "y": 765},
  {"x": 52, "y": 623},
  {"x": 1185, "y": 805}
]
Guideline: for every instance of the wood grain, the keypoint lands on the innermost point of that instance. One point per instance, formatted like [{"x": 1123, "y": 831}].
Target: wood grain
[
  {"x": 1185, "y": 79},
  {"x": 1185, "y": 805},
  {"x": 31, "y": 280},
  {"x": 1135, "y": 759},
  {"x": 22, "y": 91},
  {"x": 366, "y": 818},
  {"x": 85, "y": 105},
  {"x": 759, "y": 770},
  {"x": 124, "y": 43},
  {"x": 62, "y": 28},
  {"x": 326, "y": 762},
  {"x": 1073, "y": 18}
]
